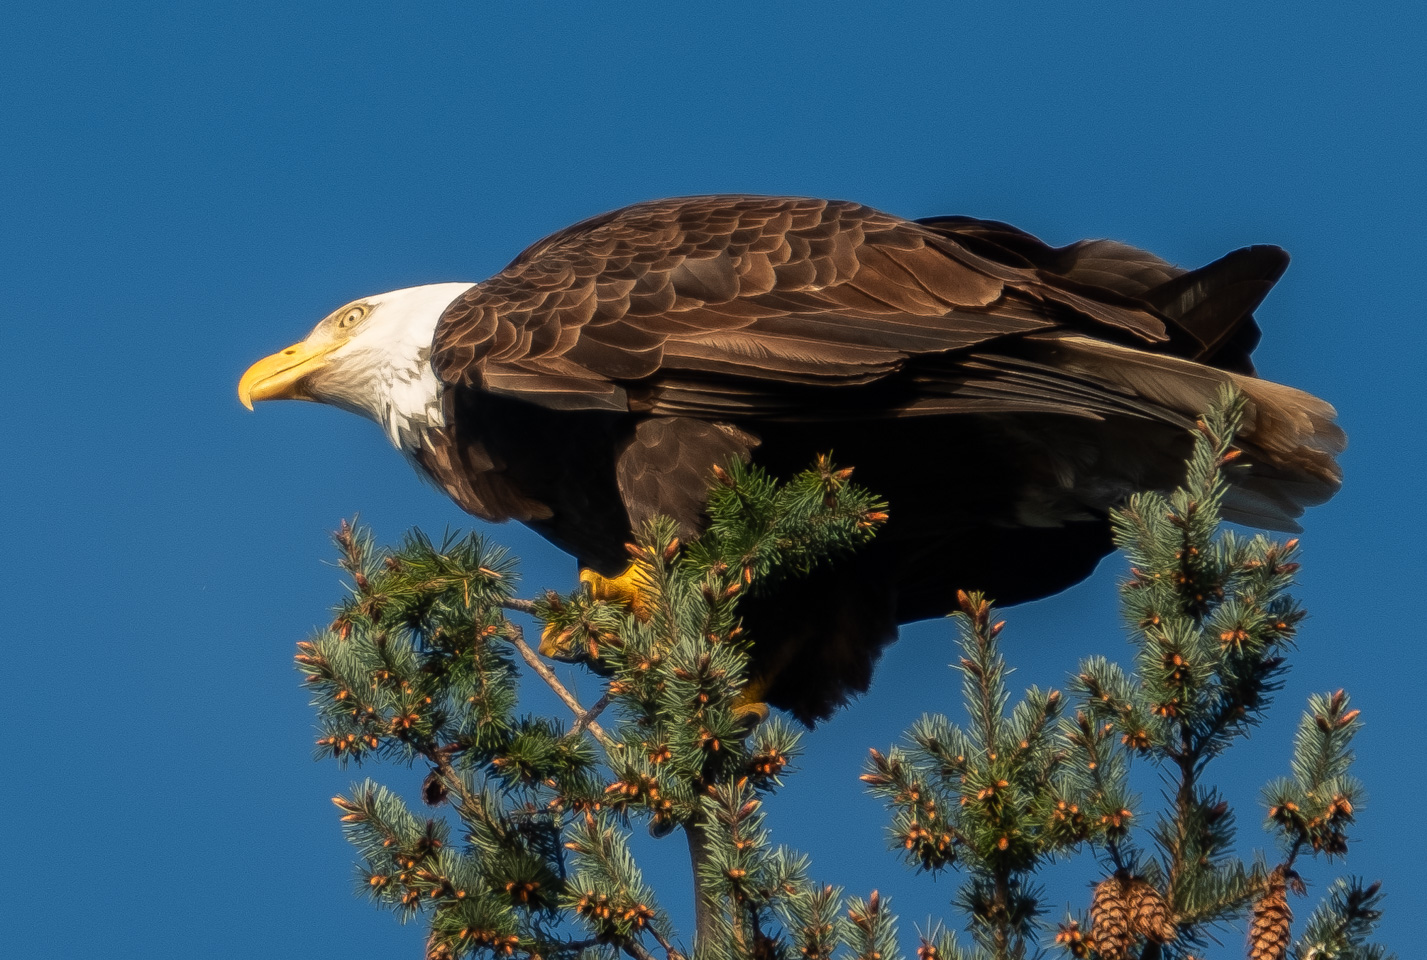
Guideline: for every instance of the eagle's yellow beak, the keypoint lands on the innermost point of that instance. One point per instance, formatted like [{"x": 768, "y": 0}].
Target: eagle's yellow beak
[{"x": 279, "y": 376}]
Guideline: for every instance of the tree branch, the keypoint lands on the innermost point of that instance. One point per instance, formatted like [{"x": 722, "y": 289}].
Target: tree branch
[
  {"x": 669, "y": 949},
  {"x": 583, "y": 717},
  {"x": 699, "y": 854},
  {"x": 636, "y": 950},
  {"x": 588, "y": 717}
]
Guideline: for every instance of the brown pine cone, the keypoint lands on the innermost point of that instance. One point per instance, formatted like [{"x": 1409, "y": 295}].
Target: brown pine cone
[
  {"x": 1271, "y": 927},
  {"x": 1110, "y": 918},
  {"x": 1150, "y": 916}
]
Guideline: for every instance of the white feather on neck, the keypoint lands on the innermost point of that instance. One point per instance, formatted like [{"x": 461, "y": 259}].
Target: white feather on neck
[{"x": 383, "y": 371}]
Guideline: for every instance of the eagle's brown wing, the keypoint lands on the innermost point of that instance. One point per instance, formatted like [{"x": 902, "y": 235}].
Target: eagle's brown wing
[
  {"x": 744, "y": 309},
  {"x": 811, "y": 292}
]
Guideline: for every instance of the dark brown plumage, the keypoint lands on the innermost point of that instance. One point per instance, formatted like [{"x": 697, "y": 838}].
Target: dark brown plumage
[{"x": 1000, "y": 393}]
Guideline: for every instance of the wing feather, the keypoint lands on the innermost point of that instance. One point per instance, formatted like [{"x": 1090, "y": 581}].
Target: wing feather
[
  {"x": 661, "y": 306},
  {"x": 805, "y": 290}
]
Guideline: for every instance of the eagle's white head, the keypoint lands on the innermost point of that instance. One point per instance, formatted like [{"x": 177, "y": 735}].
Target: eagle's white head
[{"x": 372, "y": 357}]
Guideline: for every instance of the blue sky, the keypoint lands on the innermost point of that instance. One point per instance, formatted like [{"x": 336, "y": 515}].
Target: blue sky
[{"x": 188, "y": 187}]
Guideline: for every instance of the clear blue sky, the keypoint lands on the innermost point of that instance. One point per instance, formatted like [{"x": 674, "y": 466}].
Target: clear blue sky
[{"x": 187, "y": 187}]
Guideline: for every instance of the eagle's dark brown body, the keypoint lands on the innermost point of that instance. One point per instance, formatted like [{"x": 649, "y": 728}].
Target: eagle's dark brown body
[{"x": 1001, "y": 394}]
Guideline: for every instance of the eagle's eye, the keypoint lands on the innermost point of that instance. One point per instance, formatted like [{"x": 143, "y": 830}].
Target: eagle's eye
[{"x": 352, "y": 316}]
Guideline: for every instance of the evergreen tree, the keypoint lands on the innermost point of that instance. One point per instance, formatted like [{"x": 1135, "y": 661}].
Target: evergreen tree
[{"x": 420, "y": 665}]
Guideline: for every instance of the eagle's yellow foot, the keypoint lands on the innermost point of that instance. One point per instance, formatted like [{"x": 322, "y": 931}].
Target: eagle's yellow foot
[
  {"x": 555, "y": 641},
  {"x": 629, "y": 589},
  {"x": 749, "y": 708}
]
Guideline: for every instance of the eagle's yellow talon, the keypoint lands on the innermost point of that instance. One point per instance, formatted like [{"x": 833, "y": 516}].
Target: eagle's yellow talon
[
  {"x": 750, "y": 708},
  {"x": 752, "y": 713},
  {"x": 629, "y": 589},
  {"x": 554, "y": 640}
]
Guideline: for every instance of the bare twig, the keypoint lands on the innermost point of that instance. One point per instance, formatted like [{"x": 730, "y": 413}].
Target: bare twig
[
  {"x": 454, "y": 780},
  {"x": 669, "y": 949},
  {"x": 440, "y": 758},
  {"x": 516, "y": 636},
  {"x": 636, "y": 950},
  {"x": 515, "y": 603},
  {"x": 588, "y": 717}
]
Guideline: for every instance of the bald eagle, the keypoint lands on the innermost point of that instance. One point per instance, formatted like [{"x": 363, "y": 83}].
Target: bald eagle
[{"x": 1001, "y": 394}]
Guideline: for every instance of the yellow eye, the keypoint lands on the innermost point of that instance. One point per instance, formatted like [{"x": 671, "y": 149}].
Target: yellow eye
[{"x": 352, "y": 316}]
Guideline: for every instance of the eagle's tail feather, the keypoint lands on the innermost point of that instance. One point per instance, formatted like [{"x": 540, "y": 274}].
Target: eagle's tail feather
[
  {"x": 1292, "y": 443},
  {"x": 1215, "y": 303},
  {"x": 1211, "y": 307},
  {"x": 1290, "y": 437}
]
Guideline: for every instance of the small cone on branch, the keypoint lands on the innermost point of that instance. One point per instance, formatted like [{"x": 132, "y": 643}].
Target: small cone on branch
[
  {"x": 1110, "y": 918},
  {"x": 1070, "y": 936},
  {"x": 1270, "y": 929},
  {"x": 1149, "y": 914},
  {"x": 433, "y": 789}
]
